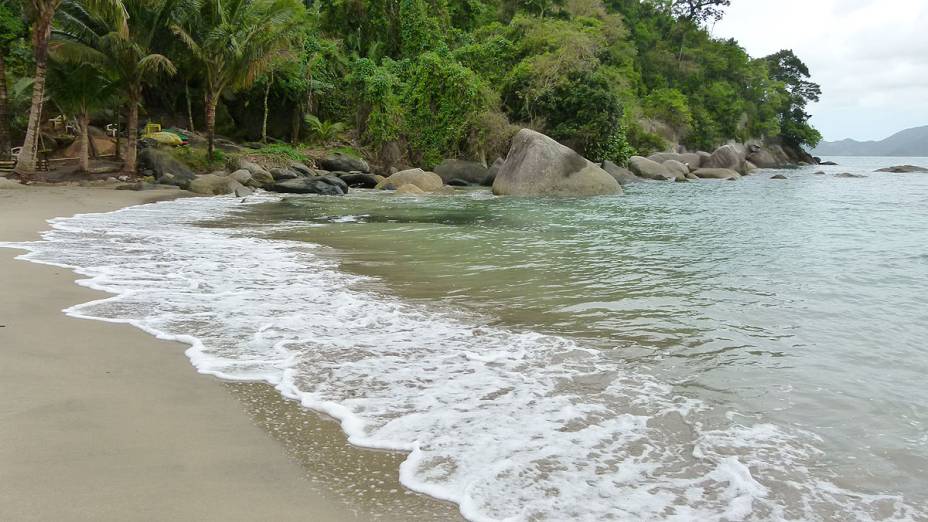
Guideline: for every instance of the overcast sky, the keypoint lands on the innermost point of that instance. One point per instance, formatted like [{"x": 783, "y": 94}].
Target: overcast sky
[{"x": 870, "y": 57}]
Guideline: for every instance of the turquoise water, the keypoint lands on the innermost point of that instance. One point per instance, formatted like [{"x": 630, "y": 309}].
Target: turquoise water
[
  {"x": 750, "y": 350},
  {"x": 798, "y": 302}
]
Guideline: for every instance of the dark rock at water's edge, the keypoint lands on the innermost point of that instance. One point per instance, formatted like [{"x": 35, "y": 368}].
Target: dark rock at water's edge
[
  {"x": 828, "y": 163},
  {"x": 903, "y": 169},
  {"x": 849, "y": 175},
  {"x": 281, "y": 174},
  {"x": 470, "y": 172},
  {"x": 165, "y": 168},
  {"x": 301, "y": 168},
  {"x": 778, "y": 176},
  {"x": 540, "y": 166},
  {"x": 335, "y": 181},
  {"x": 492, "y": 172},
  {"x": 323, "y": 185},
  {"x": 458, "y": 182},
  {"x": 818, "y": 173},
  {"x": 620, "y": 174},
  {"x": 345, "y": 163},
  {"x": 359, "y": 180}
]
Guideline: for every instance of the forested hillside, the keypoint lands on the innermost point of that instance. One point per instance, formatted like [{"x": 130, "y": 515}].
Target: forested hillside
[{"x": 418, "y": 79}]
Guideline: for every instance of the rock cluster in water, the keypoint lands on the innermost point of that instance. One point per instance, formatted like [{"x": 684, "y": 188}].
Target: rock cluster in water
[{"x": 536, "y": 165}]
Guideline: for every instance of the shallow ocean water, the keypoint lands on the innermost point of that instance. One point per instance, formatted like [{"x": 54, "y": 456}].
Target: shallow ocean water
[{"x": 712, "y": 350}]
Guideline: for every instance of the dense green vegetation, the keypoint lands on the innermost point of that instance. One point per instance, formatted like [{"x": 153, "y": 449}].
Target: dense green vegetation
[{"x": 422, "y": 79}]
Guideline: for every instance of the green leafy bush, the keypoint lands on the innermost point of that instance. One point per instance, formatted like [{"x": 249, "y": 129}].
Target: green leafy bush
[
  {"x": 443, "y": 100},
  {"x": 669, "y": 106}
]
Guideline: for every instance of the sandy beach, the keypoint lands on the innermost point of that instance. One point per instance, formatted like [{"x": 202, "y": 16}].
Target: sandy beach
[{"x": 104, "y": 422}]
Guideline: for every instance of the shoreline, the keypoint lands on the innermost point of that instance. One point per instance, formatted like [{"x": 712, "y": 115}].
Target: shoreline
[{"x": 102, "y": 422}]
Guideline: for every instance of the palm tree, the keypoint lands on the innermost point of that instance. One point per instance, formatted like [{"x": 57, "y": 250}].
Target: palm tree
[
  {"x": 42, "y": 12},
  {"x": 78, "y": 89},
  {"x": 91, "y": 37},
  {"x": 235, "y": 42}
]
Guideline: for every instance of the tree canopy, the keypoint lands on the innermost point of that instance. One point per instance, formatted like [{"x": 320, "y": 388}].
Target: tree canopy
[{"x": 442, "y": 78}]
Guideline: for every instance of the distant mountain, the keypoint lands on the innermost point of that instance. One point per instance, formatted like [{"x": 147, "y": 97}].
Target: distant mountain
[{"x": 910, "y": 142}]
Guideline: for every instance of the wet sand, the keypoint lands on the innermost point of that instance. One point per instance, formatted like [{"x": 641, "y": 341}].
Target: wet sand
[{"x": 101, "y": 421}]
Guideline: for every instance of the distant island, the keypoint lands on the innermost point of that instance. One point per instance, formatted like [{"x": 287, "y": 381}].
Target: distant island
[{"x": 910, "y": 142}]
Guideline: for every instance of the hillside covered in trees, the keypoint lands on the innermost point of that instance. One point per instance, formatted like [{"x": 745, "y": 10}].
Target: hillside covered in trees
[{"x": 420, "y": 80}]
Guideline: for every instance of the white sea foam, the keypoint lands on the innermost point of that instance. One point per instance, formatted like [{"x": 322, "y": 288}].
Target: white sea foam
[{"x": 510, "y": 425}]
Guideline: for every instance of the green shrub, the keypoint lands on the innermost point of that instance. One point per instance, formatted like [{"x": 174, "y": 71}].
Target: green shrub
[
  {"x": 195, "y": 158},
  {"x": 644, "y": 143},
  {"x": 443, "y": 100},
  {"x": 669, "y": 106},
  {"x": 324, "y": 132}
]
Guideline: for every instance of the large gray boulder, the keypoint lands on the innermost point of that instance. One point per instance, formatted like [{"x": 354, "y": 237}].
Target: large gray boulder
[
  {"x": 259, "y": 175},
  {"x": 242, "y": 176},
  {"x": 729, "y": 156},
  {"x": 768, "y": 157},
  {"x": 324, "y": 185},
  {"x": 692, "y": 159},
  {"x": 344, "y": 163},
  {"x": 427, "y": 181},
  {"x": 165, "y": 168},
  {"x": 539, "y": 166},
  {"x": 708, "y": 173},
  {"x": 217, "y": 185},
  {"x": 469, "y": 171},
  {"x": 678, "y": 169},
  {"x": 620, "y": 174},
  {"x": 649, "y": 169},
  {"x": 903, "y": 169}
]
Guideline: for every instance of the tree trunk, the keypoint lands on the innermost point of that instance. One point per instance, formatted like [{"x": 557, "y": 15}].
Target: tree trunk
[
  {"x": 295, "y": 124},
  {"x": 132, "y": 129},
  {"x": 4, "y": 113},
  {"x": 267, "y": 92},
  {"x": 94, "y": 151},
  {"x": 83, "y": 121},
  {"x": 211, "y": 101},
  {"x": 189, "y": 107},
  {"x": 118, "y": 130},
  {"x": 28, "y": 158}
]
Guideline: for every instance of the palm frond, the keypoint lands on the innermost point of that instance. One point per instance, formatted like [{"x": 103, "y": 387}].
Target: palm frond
[
  {"x": 75, "y": 52},
  {"x": 156, "y": 63}
]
